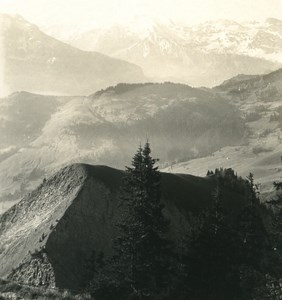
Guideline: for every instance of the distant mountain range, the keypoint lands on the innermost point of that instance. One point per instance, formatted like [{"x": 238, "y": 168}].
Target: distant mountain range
[
  {"x": 237, "y": 123},
  {"x": 36, "y": 62},
  {"x": 202, "y": 55},
  {"x": 49, "y": 141}
]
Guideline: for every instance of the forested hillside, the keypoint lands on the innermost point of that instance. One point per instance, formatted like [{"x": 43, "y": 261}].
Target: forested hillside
[{"x": 182, "y": 122}]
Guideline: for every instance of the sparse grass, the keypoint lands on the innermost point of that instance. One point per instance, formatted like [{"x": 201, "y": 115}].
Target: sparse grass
[{"x": 274, "y": 117}]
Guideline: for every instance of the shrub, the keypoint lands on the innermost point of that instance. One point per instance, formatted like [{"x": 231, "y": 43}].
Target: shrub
[
  {"x": 275, "y": 117},
  {"x": 260, "y": 149},
  {"x": 251, "y": 117}
]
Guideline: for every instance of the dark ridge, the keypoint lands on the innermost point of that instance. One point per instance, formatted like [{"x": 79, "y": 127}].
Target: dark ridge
[
  {"x": 107, "y": 175},
  {"x": 237, "y": 79},
  {"x": 242, "y": 78},
  {"x": 122, "y": 88},
  {"x": 273, "y": 76},
  {"x": 25, "y": 94},
  {"x": 187, "y": 192},
  {"x": 82, "y": 201}
]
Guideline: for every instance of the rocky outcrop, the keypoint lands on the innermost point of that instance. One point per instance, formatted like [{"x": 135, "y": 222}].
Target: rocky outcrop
[
  {"x": 27, "y": 226},
  {"x": 35, "y": 271},
  {"x": 47, "y": 238}
]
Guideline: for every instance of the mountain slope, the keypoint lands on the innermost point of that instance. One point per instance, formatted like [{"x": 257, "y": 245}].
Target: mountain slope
[
  {"x": 266, "y": 88},
  {"x": 201, "y": 55},
  {"x": 36, "y": 62},
  {"x": 23, "y": 115},
  {"x": 259, "y": 98},
  {"x": 47, "y": 237},
  {"x": 181, "y": 123}
]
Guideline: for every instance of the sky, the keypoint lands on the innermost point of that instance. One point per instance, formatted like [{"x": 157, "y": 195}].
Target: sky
[
  {"x": 104, "y": 12},
  {"x": 84, "y": 14}
]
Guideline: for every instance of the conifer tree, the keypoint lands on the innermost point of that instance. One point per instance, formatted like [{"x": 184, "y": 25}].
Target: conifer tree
[
  {"x": 210, "y": 256},
  {"x": 139, "y": 268},
  {"x": 252, "y": 244},
  {"x": 142, "y": 242},
  {"x": 226, "y": 251},
  {"x": 275, "y": 234}
]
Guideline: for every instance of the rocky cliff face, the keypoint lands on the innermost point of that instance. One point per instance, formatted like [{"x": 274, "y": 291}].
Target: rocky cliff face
[
  {"x": 26, "y": 227},
  {"x": 47, "y": 237}
]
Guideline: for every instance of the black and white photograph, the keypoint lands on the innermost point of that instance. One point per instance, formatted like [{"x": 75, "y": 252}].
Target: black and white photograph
[{"x": 141, "y": 149}]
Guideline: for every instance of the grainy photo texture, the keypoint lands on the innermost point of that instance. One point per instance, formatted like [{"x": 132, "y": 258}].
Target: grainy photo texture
[{"x": 141, "y": 149}]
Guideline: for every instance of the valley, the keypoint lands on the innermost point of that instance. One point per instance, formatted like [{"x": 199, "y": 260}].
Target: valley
[
  {"x": 235, "y": 125},
  {"x": 261, "y": 151},
  {"x": 140, "y": 157},
  {"x": 107, "y": 126}
]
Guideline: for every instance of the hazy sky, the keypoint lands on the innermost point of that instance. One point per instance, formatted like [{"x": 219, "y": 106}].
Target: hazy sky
[{"x": 74, "y": 12}]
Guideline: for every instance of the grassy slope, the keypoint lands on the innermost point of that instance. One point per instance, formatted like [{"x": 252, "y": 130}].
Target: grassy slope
[
  {"x": 257, "y": 97},
  {"x": 106, "y": 128}
]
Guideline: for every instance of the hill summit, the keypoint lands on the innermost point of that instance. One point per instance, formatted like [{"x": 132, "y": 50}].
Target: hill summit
[{"x": 47, "y": 238}]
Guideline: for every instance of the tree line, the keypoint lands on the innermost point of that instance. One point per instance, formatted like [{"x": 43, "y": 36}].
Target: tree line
[{"x": 224, "y": 255}]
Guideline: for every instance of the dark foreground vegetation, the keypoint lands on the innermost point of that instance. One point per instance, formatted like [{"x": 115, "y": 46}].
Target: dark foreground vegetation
[
  {"x": 224, "y": 255},
  {"x": 15, "y": 291},
  {"x": 228, "y": 251}
]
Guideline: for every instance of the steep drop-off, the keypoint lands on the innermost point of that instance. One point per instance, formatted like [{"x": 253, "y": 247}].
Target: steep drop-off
[{"x": 48, "y": 236}]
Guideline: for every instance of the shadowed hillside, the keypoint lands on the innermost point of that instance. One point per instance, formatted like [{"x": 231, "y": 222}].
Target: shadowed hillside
[
  {"x": 47, "y": 237},
  {"x": 259, "y": 100},
  {"x": 43, "y": 133},
  {"x": 265, "y": 88}
]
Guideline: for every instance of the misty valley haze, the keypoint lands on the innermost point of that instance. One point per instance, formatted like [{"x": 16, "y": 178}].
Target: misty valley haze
[
  {"x": 200, "y": 55},
  {"x": 200, "y": 222},
  {"x": 38, "y": 63}
]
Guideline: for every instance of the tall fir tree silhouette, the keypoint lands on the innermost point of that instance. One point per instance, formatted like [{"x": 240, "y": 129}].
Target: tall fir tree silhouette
[
  {"x": 142, "y": 244},
  {"x": 139, "y": 268}
]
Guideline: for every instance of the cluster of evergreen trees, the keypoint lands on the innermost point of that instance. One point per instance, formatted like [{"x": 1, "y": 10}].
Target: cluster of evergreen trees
[{"x": 224, "y": 255}]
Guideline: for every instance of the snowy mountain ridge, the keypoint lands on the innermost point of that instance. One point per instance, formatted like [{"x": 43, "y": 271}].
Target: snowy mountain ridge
[
  {"x": 200, "y": 55},
  {"x": 218, "y": 36}
]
